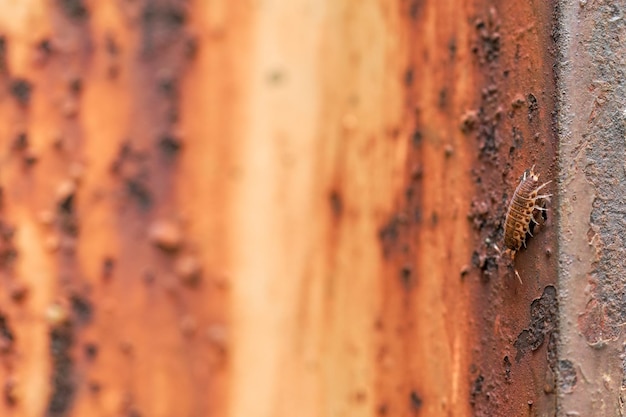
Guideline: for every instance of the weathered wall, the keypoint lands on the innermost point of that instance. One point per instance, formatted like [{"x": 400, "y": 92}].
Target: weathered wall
[
  {"x": 267, "y": 208},
  {"x": 592, "y": 229}
]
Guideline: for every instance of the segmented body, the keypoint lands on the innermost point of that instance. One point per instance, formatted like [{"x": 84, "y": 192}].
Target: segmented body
[{"x": 521, "y": 210}]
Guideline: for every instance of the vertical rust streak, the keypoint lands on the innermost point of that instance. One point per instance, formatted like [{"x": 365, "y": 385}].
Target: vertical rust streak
[{"x": 513, "y": 125}]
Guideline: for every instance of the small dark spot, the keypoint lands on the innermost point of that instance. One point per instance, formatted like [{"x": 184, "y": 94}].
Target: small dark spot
[
  {"x": 66, "y": 204},
  {"x": 82, "y": 308},
  {"x": 443, "y": 98},
  {"x": 488, "y": 268},
  {"x": 108, "y": 265},
  {"x": 464, "y": 271},
  {"x": 477, "y": 389},
  {"x": 133, "y": 413},
  {"x": 124, "y": 153},
  {"x": 74, "y": 9},
  {"x": 21, "y": 89},
  {"x": 8, "y": 251},
  {"x": 475, "y": 259},
  {"x": 111, "y": 45},
  {"x": 168, "y": 85},
  {"x": 18, "y": 292},
  {"x": 191, "y": 47},
  {"x": 30, "y": 158},
  {"x": 415, "y": 400},
  {"x": 94, "y": 387},
  {"x": 383, "y": 409},
  {"x": 452, "y": 48},
  {"x": 45, "y": 47},
  {"x": 148, "y": 277},
  {"x": 170, "y": 144},
  {"x": 417, "y": 215},
  {"x": 507, "y": 369},
  {"x": 406, "y": 276},
  {"x": 140, "y": 192},
  {"x": 434, "y": 218},
  {"x": 533, "y": 107},
  {"x": 3, "y": 54},
  {"x": 518, "y": 141},
  {"x": 336, "y": 203},
  {"x": 9, "y": 392},
  {"x": 173, "y": 114},
  {"x": 20, "y": 142},
  {"x": 417, "y": 138},
  {"x": 91, "y": 351},
  {"x": 409, "y": 192},
  {"x": 113, "y": 71},
  {"x": 414, "y": 9},
  {"x": 126, "y": 348},
  {"x": 408, "y": 77},
  {"x": 276, "y": 76},
  {"x": 389, "y": 234},
  {"x": 76, "y": 86},
  {"x": 417, "y": 172},
  {"x": 6, "y": 335}
]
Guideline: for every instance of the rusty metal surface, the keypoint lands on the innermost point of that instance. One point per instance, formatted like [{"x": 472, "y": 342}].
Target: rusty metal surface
[
  {"x": 501, "y": 99},
  {"x": 117, "y": 303},
  {"x": 593, "y": 189},
  {"x": 271, "y": 209},
  {"x": 458, "y": 335}
]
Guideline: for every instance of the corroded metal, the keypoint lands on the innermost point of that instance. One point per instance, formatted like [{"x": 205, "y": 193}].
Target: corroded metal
[
  {"x": 593, "y": 187},
  {"x": 275, "y": 208}
]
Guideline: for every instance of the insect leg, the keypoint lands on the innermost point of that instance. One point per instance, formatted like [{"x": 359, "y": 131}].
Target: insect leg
[{"x": 543, "y": 185}]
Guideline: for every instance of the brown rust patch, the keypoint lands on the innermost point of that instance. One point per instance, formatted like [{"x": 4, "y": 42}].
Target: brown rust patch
[
  {"x": 543, "y": 323},
  {"x": 21, "y": 89},
  {"x": 499, "y": 126},
  {"x": 63, "y": 379},
  {"x": 74, "y": 9},
  {"x": 595, "y": 323},
  {"x": 7, "y": 337}
]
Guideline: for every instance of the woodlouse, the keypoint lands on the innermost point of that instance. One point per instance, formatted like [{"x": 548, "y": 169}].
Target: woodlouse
[{"x": 521, "y": 210}]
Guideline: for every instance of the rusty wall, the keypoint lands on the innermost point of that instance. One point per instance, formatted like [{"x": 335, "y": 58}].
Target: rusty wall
[
  {"x": 266, "y": 208},
  {"x": 592, "y": 127}
]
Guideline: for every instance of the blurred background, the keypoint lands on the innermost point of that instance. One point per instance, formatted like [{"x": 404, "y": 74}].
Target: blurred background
[{"x": 275, "y": 208}]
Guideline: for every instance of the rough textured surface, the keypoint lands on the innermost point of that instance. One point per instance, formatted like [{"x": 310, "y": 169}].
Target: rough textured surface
[
  {"x": 592, "y": 279},
  {"x": 274, "y": 208}
]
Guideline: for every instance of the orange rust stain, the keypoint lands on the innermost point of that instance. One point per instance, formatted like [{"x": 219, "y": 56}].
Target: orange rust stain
[{"x": 223, "y": 209}]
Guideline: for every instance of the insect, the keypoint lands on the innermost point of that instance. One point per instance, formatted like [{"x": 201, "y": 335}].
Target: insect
[{"x": 521, "y": 212}]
